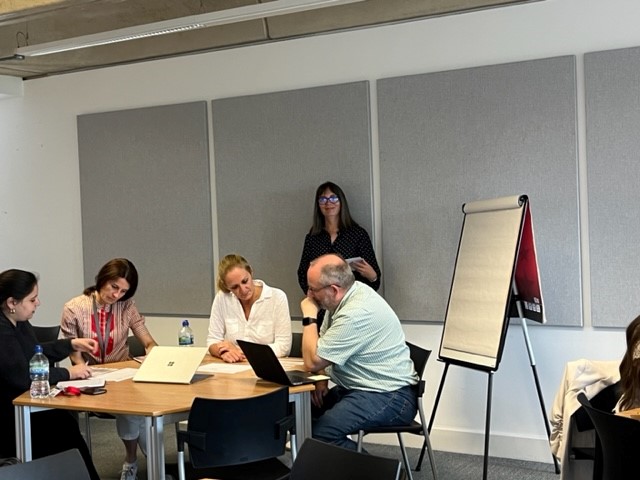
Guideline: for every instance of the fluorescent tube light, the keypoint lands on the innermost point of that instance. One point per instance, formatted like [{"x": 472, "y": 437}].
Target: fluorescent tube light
[
  {"x": 11, "y": 87},
  {"x": 221, "y": 17}
]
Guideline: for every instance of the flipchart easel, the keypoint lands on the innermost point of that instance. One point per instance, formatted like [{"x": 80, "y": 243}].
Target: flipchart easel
[{"x": 496, "y": 277}]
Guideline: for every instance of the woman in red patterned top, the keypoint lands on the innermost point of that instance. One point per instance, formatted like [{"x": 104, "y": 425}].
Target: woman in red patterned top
[{"x": 106, "y": 312}]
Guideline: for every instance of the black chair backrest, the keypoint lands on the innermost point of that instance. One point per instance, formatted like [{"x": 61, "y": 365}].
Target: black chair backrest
[
  {"x": 317, "y": 460},
  {"x": 67, "y": 465},
  {"x": 237, "y": 431},
  {"x": 46, "y": 334},
  {"x": 296, "y": 345},
  {"x": 419, "y": 356},
  {"x": 619, "y": 438},
  {"x": 136, "y": 349},
  {"x": 604, "y": 400}
]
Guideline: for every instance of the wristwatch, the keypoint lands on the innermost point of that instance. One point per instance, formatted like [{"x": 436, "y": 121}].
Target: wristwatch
[{"x": 308, "y": 321}]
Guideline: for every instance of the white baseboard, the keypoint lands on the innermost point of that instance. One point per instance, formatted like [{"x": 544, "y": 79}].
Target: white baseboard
[{"x": 534, "y": 449}]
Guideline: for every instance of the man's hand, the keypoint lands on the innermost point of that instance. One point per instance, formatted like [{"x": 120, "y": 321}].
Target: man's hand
[
  {"x": 317, "y": 396},
  {"x": 309, "y": 308}
]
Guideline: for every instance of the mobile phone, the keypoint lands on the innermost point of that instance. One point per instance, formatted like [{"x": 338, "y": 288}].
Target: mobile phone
[{"x": 94, "y": 390}]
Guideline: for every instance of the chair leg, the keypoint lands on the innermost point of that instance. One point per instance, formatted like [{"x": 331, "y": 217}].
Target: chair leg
[
  {"x": 87, "y": 430},
  {"x": 405, "y": 458},
  {"x": 360, "y": 438},
  {"x": 293, "y": 441},
  {"x": 181, "y": 474}
]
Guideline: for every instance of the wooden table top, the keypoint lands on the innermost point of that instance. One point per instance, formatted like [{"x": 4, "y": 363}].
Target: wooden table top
[
  {"x": 156, "y": 399},
  {"x": 632, "y": 413}
]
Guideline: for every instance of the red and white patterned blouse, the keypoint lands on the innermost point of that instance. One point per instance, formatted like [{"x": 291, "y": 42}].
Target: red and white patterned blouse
[{"x": 77, "y": 322}]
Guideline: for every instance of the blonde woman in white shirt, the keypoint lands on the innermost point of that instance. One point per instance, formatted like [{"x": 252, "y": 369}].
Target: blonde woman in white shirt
[{"x": 246, "y": 309}]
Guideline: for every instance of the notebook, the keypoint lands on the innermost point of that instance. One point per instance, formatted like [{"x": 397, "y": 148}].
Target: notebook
[
  {"x": 171, "y": 365},
  {"x": 266, "y": 365}
]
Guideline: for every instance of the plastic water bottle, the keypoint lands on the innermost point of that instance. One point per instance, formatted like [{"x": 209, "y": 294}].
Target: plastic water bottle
[
  {"x": 39, "y": 371},
  {"x": 185, "y": 337}
]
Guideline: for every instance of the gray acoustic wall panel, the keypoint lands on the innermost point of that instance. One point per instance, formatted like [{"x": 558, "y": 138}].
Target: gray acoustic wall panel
[
  {"x": 271, "y": 153},
  {"x": 452, "y": 137},
  {"x": 612, "y": 84},
  {"x": 144, "y": 180}
]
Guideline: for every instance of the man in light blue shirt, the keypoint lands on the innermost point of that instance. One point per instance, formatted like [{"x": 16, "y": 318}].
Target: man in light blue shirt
[{"x": 361, "y": 346}]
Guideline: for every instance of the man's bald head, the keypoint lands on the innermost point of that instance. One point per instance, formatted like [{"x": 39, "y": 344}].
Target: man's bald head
[{"x": 331, "y": 269}]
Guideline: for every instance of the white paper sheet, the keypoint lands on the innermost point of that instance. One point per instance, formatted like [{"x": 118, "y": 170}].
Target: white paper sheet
[{"x": 222, "y": 368}]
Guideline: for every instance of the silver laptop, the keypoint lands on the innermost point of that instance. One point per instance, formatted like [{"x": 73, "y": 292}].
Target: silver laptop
[{"x": 171, "y": 365}]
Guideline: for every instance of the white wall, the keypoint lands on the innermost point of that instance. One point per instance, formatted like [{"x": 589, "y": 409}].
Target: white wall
[{"x": 39, "y": 180}]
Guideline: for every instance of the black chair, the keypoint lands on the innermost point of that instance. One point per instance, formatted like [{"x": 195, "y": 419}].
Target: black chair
[
  {"x": 420, "y": 356},
  {"x": 46, "y": 334},
  {"x": 237, "y": 438},
  {"x": 604, "y": 400},
  {"x": 317, "y": 460},
  {"x": 296, "y": 345},
  {"x": 67, "y": 465},
  {"x": 136, "y": 348},
  {"x": 619, "y": 439}
]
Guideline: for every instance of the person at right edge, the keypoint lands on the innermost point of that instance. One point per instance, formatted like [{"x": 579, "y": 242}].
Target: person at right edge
[
  {"x": 334, "y": 231},
  {"x": 362, "y": 348},
  {"x": 630, "y": 370}
]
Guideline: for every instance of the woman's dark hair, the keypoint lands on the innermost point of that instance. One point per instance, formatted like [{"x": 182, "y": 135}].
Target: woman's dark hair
[
  {"x": 345, "y": 220},
  {"x": 630, "y": 368},
  {"x": 113, "y": 270},
  {"x": 16, "y": 284}
]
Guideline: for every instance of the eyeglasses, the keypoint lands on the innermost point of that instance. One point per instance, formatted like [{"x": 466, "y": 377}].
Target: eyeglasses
[
  {"x": 331, "y": 199},
  {"x": 316, "y": 290}
]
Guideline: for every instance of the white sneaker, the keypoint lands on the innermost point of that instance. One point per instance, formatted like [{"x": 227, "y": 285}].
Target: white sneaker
[{"x": 129, "y": 471}]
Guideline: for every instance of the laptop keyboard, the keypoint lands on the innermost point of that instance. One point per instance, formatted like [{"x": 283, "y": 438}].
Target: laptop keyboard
[{"x": 296, "y": 378}]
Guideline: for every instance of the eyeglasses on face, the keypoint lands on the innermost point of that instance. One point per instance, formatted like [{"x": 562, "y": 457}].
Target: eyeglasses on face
[
  {"x": 331, "y": 199},
  {"x": 316, "y": 290}
]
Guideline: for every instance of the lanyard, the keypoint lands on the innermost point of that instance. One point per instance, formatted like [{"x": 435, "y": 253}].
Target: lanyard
[{"x": 102, "y": 341}]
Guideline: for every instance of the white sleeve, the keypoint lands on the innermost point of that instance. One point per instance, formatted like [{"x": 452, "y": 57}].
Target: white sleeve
[
  {"x": 216, "y": 321},
  {"x": 281, "y": 324}
]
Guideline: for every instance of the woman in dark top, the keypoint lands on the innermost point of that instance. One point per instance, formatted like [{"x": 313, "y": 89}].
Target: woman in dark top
[
  {"x": 52, "y": 431},
  {"x": 630, "y": 369},
  {"x": 334, "y": 231}
]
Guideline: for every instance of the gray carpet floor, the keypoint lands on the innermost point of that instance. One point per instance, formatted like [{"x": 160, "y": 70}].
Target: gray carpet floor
[{"x": 109, "y": 453}]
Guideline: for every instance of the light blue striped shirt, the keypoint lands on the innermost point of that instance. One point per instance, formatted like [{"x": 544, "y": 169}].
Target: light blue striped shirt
[{"x": 364, "y": 341}]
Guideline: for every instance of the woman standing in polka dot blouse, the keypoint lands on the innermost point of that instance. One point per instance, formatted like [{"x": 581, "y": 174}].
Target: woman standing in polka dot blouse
[{"x": 334, "y": 231}]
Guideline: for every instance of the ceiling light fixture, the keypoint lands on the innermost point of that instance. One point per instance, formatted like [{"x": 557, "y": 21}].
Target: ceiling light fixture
[
  {"x": 220, "y": 17},
  {"x": 10, "y": 87}
]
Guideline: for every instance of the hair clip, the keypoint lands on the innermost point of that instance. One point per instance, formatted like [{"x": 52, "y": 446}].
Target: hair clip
[{"x": 71, "y": 391}]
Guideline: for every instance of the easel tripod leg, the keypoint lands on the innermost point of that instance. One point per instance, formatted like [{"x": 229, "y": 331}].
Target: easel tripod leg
[
  {"x": 532, "y": 361},
  {"x": 487, "y": 427}
]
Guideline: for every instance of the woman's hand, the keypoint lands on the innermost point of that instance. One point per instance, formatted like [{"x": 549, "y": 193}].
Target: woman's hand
[
  {"x": 233, "y": 355},
  {"x": 88, "y": 345},
  {"x": 80, "y": 371},
  {"x": 230, "y": 353},
  {"x": 364, "y": 269}
]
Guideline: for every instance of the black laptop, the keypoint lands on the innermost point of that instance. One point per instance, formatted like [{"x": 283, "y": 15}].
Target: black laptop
[{"x": 264, "y": 362}]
